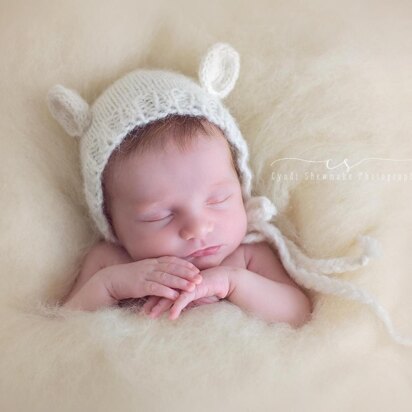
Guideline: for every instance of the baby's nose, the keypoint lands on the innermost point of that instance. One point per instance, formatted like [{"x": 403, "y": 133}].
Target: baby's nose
[{"x": 197, "y": 230}]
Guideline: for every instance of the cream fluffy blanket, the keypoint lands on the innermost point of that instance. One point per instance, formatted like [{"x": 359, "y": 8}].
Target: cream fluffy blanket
[{"x": 318, "y": 80}]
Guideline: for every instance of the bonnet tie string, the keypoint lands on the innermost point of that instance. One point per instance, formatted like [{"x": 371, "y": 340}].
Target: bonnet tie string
[{"x": 312, "y": 273}]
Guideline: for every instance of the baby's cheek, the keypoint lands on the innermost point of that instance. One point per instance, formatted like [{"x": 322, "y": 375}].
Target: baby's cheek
[
  {"x": 143, "y": 245},
  {"x": 242, "y": 219},
  {"x": 159, "y": 243},
  {"x": 236, "y": 223}
]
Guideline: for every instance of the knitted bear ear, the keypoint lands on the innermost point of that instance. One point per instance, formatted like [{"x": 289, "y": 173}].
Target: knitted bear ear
[
  {"x": 69, "y": 109},
  {"x": 219, "y": 69}
]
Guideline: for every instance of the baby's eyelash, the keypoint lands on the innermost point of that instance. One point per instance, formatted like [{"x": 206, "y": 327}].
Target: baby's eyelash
[
  {"x": 220, "y": 201},
  {"x": 158, "y": 220},
  {"x": 168, "y": 216}
]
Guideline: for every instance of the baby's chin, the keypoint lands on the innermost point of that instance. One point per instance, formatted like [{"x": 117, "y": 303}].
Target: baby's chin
[
  {"x": 207, "y": 262},
  {"x": 202, "y": 264}
]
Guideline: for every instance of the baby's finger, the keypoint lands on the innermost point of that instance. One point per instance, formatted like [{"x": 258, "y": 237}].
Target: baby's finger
[
  {"x": 185, "y": 272},
  {"x": 181, "y": 302},
  {"x": 207, "y": 300},
  {"x": 171, "y": 280},
  {"x": 151, "y": 302},
  {"x": 175, "y": 262},
  {"x": 158, "y": 289},
  {"x": 162, "y": 306}
]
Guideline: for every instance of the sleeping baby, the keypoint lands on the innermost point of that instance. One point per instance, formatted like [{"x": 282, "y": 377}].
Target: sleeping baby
[
  {"x": 174, "y": 201},
  {"x": 168, "y": 185}
]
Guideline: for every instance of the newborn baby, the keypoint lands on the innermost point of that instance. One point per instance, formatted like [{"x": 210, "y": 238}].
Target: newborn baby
[
  {"x": 174, "y": 201},
  {"x": 168, "y": 186}
]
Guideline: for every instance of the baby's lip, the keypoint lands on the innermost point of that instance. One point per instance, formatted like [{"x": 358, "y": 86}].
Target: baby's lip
[{"x": 204, "y": 250}]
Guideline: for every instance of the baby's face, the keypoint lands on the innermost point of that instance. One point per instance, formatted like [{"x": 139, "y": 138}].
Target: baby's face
[{"x": 172, "y": 203}]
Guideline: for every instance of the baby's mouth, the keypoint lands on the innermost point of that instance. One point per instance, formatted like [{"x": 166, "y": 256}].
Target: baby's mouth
[{"x": 211, "y": 250}]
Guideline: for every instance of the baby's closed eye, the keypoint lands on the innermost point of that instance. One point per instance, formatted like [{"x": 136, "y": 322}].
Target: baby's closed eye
[
  {"x": 218, "y": 200},
  {"x": 168, "y": 214}
]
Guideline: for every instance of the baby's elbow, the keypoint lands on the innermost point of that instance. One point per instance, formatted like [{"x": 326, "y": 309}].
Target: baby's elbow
[{"x": 302, "y": 312}]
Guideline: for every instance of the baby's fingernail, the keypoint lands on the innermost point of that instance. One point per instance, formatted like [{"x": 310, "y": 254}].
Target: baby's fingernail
[{"x": 198, "y": 278}]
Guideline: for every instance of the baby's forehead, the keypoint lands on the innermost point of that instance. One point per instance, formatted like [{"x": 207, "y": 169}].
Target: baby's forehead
[
  {"x": 150, "y": 161},
  {"x": 205, "y": 144},
  {"x": 155, "y": 169}
]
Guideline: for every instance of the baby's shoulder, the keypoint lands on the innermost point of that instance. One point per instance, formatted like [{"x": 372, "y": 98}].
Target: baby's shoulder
[
  {"x": 109, "y": 254},
  {"x": 237, "y": 258},
  {"x": 242, "y": 256},
  {"x": 261, "y": 249}
]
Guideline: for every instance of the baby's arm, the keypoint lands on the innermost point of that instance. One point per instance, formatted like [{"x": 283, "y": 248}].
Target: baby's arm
[
  {"x": 101, "y": 255},
  {"x": 265, "y": 289},
  {"x": 107, "y": 277}
]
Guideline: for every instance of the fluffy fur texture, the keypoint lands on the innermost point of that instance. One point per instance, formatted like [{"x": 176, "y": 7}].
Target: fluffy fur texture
[{"x": 329, "y": 81}]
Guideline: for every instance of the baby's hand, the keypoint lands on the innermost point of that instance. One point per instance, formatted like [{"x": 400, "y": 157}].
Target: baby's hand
[
  {"x": 155, "y": 306},
  {"x": 215, "y": 286},
  {"x": 155, "y": 276}
]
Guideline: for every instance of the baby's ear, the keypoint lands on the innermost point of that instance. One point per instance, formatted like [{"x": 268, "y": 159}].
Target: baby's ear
[
  {"x": 69, "y": 109},
  {"x": 219, "y": 69}
]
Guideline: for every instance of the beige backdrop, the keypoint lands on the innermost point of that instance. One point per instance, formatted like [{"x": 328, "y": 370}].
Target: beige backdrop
[{"x": 319, "y": 79}]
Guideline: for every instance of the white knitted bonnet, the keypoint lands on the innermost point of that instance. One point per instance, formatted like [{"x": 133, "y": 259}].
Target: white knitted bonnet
[{"x": 143, "y": 96}]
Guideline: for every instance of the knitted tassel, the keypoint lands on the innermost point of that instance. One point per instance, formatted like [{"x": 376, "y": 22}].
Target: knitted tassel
[{"x": 334, "y": 266}]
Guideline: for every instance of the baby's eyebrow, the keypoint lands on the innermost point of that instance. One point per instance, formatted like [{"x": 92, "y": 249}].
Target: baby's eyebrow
[
  {"x": 223, "y": 182},
  {"x": 143, "y": 205}
]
